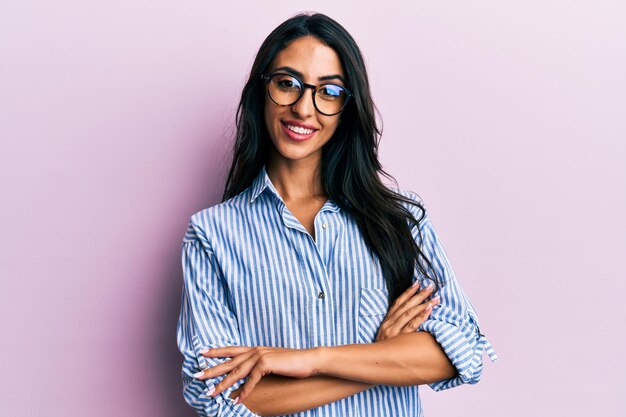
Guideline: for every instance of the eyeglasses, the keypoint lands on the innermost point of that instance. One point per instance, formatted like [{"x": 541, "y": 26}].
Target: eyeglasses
[{"x": 286, "y": 90}]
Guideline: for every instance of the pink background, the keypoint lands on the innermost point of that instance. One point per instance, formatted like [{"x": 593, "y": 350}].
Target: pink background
[{"x": 508, "y": 118}]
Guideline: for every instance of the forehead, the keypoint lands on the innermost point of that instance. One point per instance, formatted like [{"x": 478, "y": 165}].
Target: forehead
[{"x": 309, "y": 56}]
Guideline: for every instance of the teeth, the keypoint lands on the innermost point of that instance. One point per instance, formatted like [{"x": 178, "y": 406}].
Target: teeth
[{"x": 299, "y": 129}]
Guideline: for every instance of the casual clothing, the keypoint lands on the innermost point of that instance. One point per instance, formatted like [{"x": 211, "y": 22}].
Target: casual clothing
[{"x": 254, "y": 276}]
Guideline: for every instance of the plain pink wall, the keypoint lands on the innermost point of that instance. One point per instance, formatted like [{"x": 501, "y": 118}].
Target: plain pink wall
[{"x": 115, "y": 120}]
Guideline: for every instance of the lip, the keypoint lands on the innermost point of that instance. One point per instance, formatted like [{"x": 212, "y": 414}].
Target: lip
[
  {"x": 300, "y": 124},
  {"x": 297, "y": 136}
]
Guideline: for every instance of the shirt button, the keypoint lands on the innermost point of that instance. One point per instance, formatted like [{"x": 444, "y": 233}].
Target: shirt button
[
  {"x": 320, "y": 295},
  {"x": 325, "y": 225}
]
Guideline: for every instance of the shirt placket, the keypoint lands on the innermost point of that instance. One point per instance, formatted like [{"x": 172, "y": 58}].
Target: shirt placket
[{"x": 316, "y": 256}]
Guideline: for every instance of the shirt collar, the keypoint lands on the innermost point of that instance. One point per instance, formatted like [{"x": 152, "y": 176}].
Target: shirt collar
[{"x": 262, "y": 182}]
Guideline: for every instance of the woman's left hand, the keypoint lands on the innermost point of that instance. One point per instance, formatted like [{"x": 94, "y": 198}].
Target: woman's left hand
[{"x": 257, "y": 362}]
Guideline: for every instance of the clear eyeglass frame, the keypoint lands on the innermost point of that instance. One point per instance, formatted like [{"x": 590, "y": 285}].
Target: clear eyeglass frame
[{"x": 315, "y": 88}]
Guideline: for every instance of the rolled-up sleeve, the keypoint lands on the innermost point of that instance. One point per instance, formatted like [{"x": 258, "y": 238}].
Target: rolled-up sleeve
[
  {"x": 205, "y": 321},
  {"x": 453, "y": 322}
]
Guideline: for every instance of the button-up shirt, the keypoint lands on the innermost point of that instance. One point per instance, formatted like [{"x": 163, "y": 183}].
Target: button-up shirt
[{"x": 254, "y": 276}]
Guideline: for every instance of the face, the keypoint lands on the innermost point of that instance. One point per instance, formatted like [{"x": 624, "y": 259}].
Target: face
[{"x": 299, "y": 131}]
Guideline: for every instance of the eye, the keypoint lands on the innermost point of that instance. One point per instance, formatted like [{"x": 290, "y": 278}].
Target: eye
[
  {"x": 331, "y": 92},
  {"x": 286, "y": 82}
]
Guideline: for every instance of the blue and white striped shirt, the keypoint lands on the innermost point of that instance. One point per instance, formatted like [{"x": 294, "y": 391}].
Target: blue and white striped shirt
[{"x": 254, "y": 276}]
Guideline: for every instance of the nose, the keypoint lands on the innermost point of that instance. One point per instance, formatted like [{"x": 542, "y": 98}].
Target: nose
[{"x": 304, "y": 106}]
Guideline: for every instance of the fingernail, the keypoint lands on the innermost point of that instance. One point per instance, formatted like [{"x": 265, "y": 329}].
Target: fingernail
[
  {"x": 435, "y": 298},
  {"x": 205, "y": 350},
  {"x": 415, "y": 284},
  {"x": 236, "y": 400},
  {"x": 198, "y": 374},
  {"x": 210, "y": 391},
  {"x": 429, "y": 286}
]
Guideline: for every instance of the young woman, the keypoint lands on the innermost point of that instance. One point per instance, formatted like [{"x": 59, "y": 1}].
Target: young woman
[{"x": 305, "y": 290}]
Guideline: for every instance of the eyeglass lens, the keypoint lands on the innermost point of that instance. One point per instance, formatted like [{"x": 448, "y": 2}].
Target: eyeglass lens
[{"x": 285, "y": 90}]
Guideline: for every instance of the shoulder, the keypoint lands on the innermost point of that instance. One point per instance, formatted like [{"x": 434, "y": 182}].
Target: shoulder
[{"x": 207, "y": 222}]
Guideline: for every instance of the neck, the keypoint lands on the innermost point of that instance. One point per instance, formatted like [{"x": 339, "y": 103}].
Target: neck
[{"x": 296, "y": 179}]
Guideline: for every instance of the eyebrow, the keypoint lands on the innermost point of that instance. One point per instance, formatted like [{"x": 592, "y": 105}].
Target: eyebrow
[{"x": 300, "y": 75}]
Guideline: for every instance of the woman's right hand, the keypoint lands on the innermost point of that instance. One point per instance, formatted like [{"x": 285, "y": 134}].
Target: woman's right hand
[{"x": 407, "y": 312}]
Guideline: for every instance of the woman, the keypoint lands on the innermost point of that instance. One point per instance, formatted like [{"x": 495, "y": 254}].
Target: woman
[{"x": 305, "y": 289}]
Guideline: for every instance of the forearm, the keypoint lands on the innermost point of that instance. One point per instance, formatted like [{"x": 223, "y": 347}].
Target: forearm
[
  {"x": 407, "y": 359},
  {"x": 277, "y": 395}
]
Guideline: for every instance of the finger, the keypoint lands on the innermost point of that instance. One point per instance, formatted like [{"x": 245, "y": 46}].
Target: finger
[
  {"x": 226, "y": 351},
  {"x": 412, "y": 326},
  {"x": 420, "y": 318},
  {"x": 395, "y": 327},
  {"x": 402, "y": 298},
  {"x": 223, "y": 367},
  {"x": 406, "y": 300},
  {"x": 410, "y": 303},
  {"x": 237, "y": 373},
  {"x": 253, "y": 380},
  {"x": 413, "y": 317}
]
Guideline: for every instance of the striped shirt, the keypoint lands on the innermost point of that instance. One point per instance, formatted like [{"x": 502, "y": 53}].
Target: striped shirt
[{"x": 254, "y": 276}]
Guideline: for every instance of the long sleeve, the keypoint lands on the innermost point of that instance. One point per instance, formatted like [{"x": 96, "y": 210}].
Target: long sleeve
[
  {"x": 454, "y": 322},
  {"x": 205, "y": 320}
]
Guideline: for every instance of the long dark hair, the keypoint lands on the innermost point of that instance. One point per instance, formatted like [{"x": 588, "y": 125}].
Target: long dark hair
[{"x": 349, "y": 166}]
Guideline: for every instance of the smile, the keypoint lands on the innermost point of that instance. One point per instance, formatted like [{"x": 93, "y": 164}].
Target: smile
[
  {"x": 297, "y": 132},
  {"x": 299, "y": 129}
]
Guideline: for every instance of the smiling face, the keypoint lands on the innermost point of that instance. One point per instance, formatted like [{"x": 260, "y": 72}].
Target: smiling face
[{"x": 299, "y": 131}]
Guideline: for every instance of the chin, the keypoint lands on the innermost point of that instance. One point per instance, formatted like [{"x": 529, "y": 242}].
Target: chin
[
  {"x": 292, "y": 154},
  {"x": 286, "y": 149}
]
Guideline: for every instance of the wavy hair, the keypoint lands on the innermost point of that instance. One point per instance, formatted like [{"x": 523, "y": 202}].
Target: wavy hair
[{"x": 349, "y": 166}]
